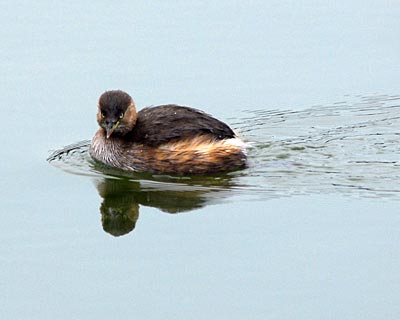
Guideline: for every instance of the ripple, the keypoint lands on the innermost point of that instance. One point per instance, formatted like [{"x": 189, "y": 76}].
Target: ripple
[{"x": 347, "y": 148}]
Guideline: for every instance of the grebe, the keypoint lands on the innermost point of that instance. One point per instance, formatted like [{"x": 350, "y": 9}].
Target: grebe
[{"x": 167, "y": 139}]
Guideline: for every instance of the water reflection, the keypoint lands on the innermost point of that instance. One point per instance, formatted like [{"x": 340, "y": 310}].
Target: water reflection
[
  {"x": 122, "y": 199},
  {"x": 123, "y": 193},
  {"x": 120, "y": 208}
]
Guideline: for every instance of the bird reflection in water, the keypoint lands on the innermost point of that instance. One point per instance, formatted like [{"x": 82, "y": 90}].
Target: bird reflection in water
[
  {"x": 119, "y": 209},
  {"x": 122, "y": 199},
  {"x": 124, "y": 192}
]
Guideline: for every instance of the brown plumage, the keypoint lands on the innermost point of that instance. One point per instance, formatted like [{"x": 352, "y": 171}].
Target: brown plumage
[{"x": 164, "y": 139}]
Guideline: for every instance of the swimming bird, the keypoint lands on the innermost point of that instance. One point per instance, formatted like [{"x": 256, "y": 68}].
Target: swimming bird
[{"x": 167, "y": 139}]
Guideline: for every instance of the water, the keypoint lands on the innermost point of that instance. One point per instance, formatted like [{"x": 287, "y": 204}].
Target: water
[
  {"x": 309, "y": 231},
  {"x": 345, "y": 148}
]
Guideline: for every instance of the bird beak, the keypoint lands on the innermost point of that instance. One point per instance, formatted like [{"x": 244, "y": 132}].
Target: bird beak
[{"x": 110, "y": 128}]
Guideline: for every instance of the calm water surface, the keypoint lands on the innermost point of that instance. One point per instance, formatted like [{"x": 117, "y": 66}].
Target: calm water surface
[{"x": 311, "y": 230}]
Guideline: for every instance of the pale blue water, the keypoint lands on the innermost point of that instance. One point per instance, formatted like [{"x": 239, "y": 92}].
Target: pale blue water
[{"x": 309, "y": 231}]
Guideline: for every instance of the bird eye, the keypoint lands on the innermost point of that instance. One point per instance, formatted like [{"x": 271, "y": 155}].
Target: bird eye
[
  {"x": 121, "y": 115},
  {"x": 103, "y": 115}
]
